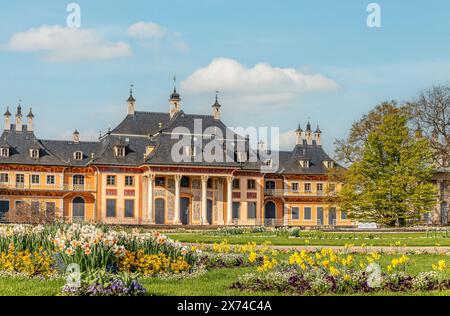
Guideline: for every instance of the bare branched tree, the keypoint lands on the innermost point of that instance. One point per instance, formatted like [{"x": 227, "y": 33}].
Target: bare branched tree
[
  {"x": 432, "y": 113},
  {"x": 26, "y": 214}
]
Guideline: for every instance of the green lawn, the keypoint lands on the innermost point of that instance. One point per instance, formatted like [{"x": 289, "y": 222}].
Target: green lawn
[
  {"x": 315, "y": 239},
  {"x": 214, "y": 283}
]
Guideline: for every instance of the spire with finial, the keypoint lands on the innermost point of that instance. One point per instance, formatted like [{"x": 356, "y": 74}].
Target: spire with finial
[
  {"x": 131, "y": 98},
  {"x": 308, "y": 127},
  {"x": 174, "y": 100},
  {"x": 216, "y": 107},
  {"x": 175, "y": 96},
  {"x": 76, "y": 136},
  {"x": 19, "y": 118},
  {"x": 309, "y": 133},
  {"x": 317, "y": 136},
  {"x": 7, "y": 119},
  {"x": 299, "y": 135},
  {"x": 30, "y": 117},
  {"x": 7, "y": 113},
  {"x": 131, "y": 102}
]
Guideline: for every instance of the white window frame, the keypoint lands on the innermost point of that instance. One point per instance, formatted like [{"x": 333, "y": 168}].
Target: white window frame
[{"x": 78, "y": 155}]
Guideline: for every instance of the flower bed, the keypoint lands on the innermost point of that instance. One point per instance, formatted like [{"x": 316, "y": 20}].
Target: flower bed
[
  {"x": 91, "y": 248},
  {"x": 327, "y": 272}
]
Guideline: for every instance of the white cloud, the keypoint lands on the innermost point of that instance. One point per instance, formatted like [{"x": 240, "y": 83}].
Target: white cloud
[
  {"x": 61, "y": 44},
  {"x": 261, "y": 83},
  {"x": 151, "y": 34},
  {"x": 147, "y": 30}
]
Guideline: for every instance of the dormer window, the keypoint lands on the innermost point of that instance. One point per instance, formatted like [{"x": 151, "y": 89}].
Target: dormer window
[
  {"x": 78, "y": 155},
  {"x": 304, "y": 163},
  {"x": 268, "y": 162},
  {"x": 241, "y": 157},
  {"x": 329, "y": 164},
  {"x": 34, "y": 153},
  {"x": 120, "y": 151},
  {"x": 4, "y": 152}
]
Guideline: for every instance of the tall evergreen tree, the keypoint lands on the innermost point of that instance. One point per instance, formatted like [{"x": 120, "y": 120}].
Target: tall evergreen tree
[{"x": 390, "y": 184}]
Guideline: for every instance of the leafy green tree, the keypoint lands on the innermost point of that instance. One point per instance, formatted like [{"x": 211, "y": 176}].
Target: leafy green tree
[
  {"x": 349, "y": 150},
  {"x": 390, "y": 183}
]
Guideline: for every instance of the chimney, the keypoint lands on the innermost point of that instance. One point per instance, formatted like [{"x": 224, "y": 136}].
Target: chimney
[
  {"x": 131, "y": 102},
  {"x": 30, "y": 117},
  {"x": 216, "y": 107},
  {"x": 76, "y": 137},
  {"x": 318, "y": 136},
  {"x": 19, "y": 119},
  {"x": 7, "y": 119},
  {"x": 299, "y": 136}
]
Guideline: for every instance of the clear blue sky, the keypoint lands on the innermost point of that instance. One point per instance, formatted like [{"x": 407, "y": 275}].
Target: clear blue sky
[{"x": 365, "y": 66}]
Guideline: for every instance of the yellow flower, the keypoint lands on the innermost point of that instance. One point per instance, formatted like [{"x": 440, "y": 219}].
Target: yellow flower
[
  {"x": 252, "y": 257},
  {"x": 334, "y": 271}
]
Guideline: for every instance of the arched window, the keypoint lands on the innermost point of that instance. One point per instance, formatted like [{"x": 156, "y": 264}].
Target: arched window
[
  {"x": 34, "y": 153},
  {"x": 78, "y": 155}
]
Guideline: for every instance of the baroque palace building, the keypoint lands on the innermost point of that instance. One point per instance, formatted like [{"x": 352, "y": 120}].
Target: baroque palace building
[{"x": 129, "y": 176}]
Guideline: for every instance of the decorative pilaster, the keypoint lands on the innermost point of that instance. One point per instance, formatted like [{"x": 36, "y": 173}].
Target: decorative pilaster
[
  {"x": 177, "y": 216},
  {"x": 230, "y": 200},
  {"x": 204, "y": 218},
  {"x": 150, "y": 185},
  {"x": 220, "y": 205}
]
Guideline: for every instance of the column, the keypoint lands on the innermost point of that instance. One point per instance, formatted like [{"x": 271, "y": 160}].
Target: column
[
  {"x": 150, "y": 184},
  {"x": 204, "y": 200},
  {"x": 177, "y": 216},
  {"x": 220, "y": 201},
  {"x": 230, "y": 200}
]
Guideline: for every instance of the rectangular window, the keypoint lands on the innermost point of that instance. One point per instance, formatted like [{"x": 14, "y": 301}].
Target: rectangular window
[
  {"x": 20, "y": 178},
  {"x": 110, "y": 208},
  {"x": 251, "y": 210},
  {"x": 78, "y": 179},
  {"x": 295, "y": 213},
  {"x": 236, "y": 210},
  {"x": 295, "y": 187},
  {"x": 307, "y": 187},
  {"x": 4, "y": 178},
  {"x": 319, "y": 187},
  {"x": 251, "y": 184},
  {"x": 307, "y": 215},
  {"x": 343, "y": 215},
  {"x": 236, "y": 184},
  {"x": 35, "y": 208},
  {"x": 35, "y": 179},
  {"x": 209, "y": 184},
  {"x": 129, "y": 181},
  {"x": 159, "y": 182},
  {"x": 111, "y": 180},
  {"x": 129, "y": 208},
  {"x": 51, "y": 180},
  {"x": 185, "y": 182}
]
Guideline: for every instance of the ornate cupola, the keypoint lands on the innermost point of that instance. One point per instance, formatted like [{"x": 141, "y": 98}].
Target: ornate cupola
[
  {"x": 317, "y": 136},
  {"x": 131, "y": 102},
  {"x": 30, "y": 117},
  {"x": 309, "y": 134},
  {"x": 76, "y": 137},
  {"x": 299, "y": 135},
  {"x": 216, "y": 107},
  {"x": 19, "y": 118},
  {"x": 175, "y": 100},
  {"x": 7, "y": 119}
]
